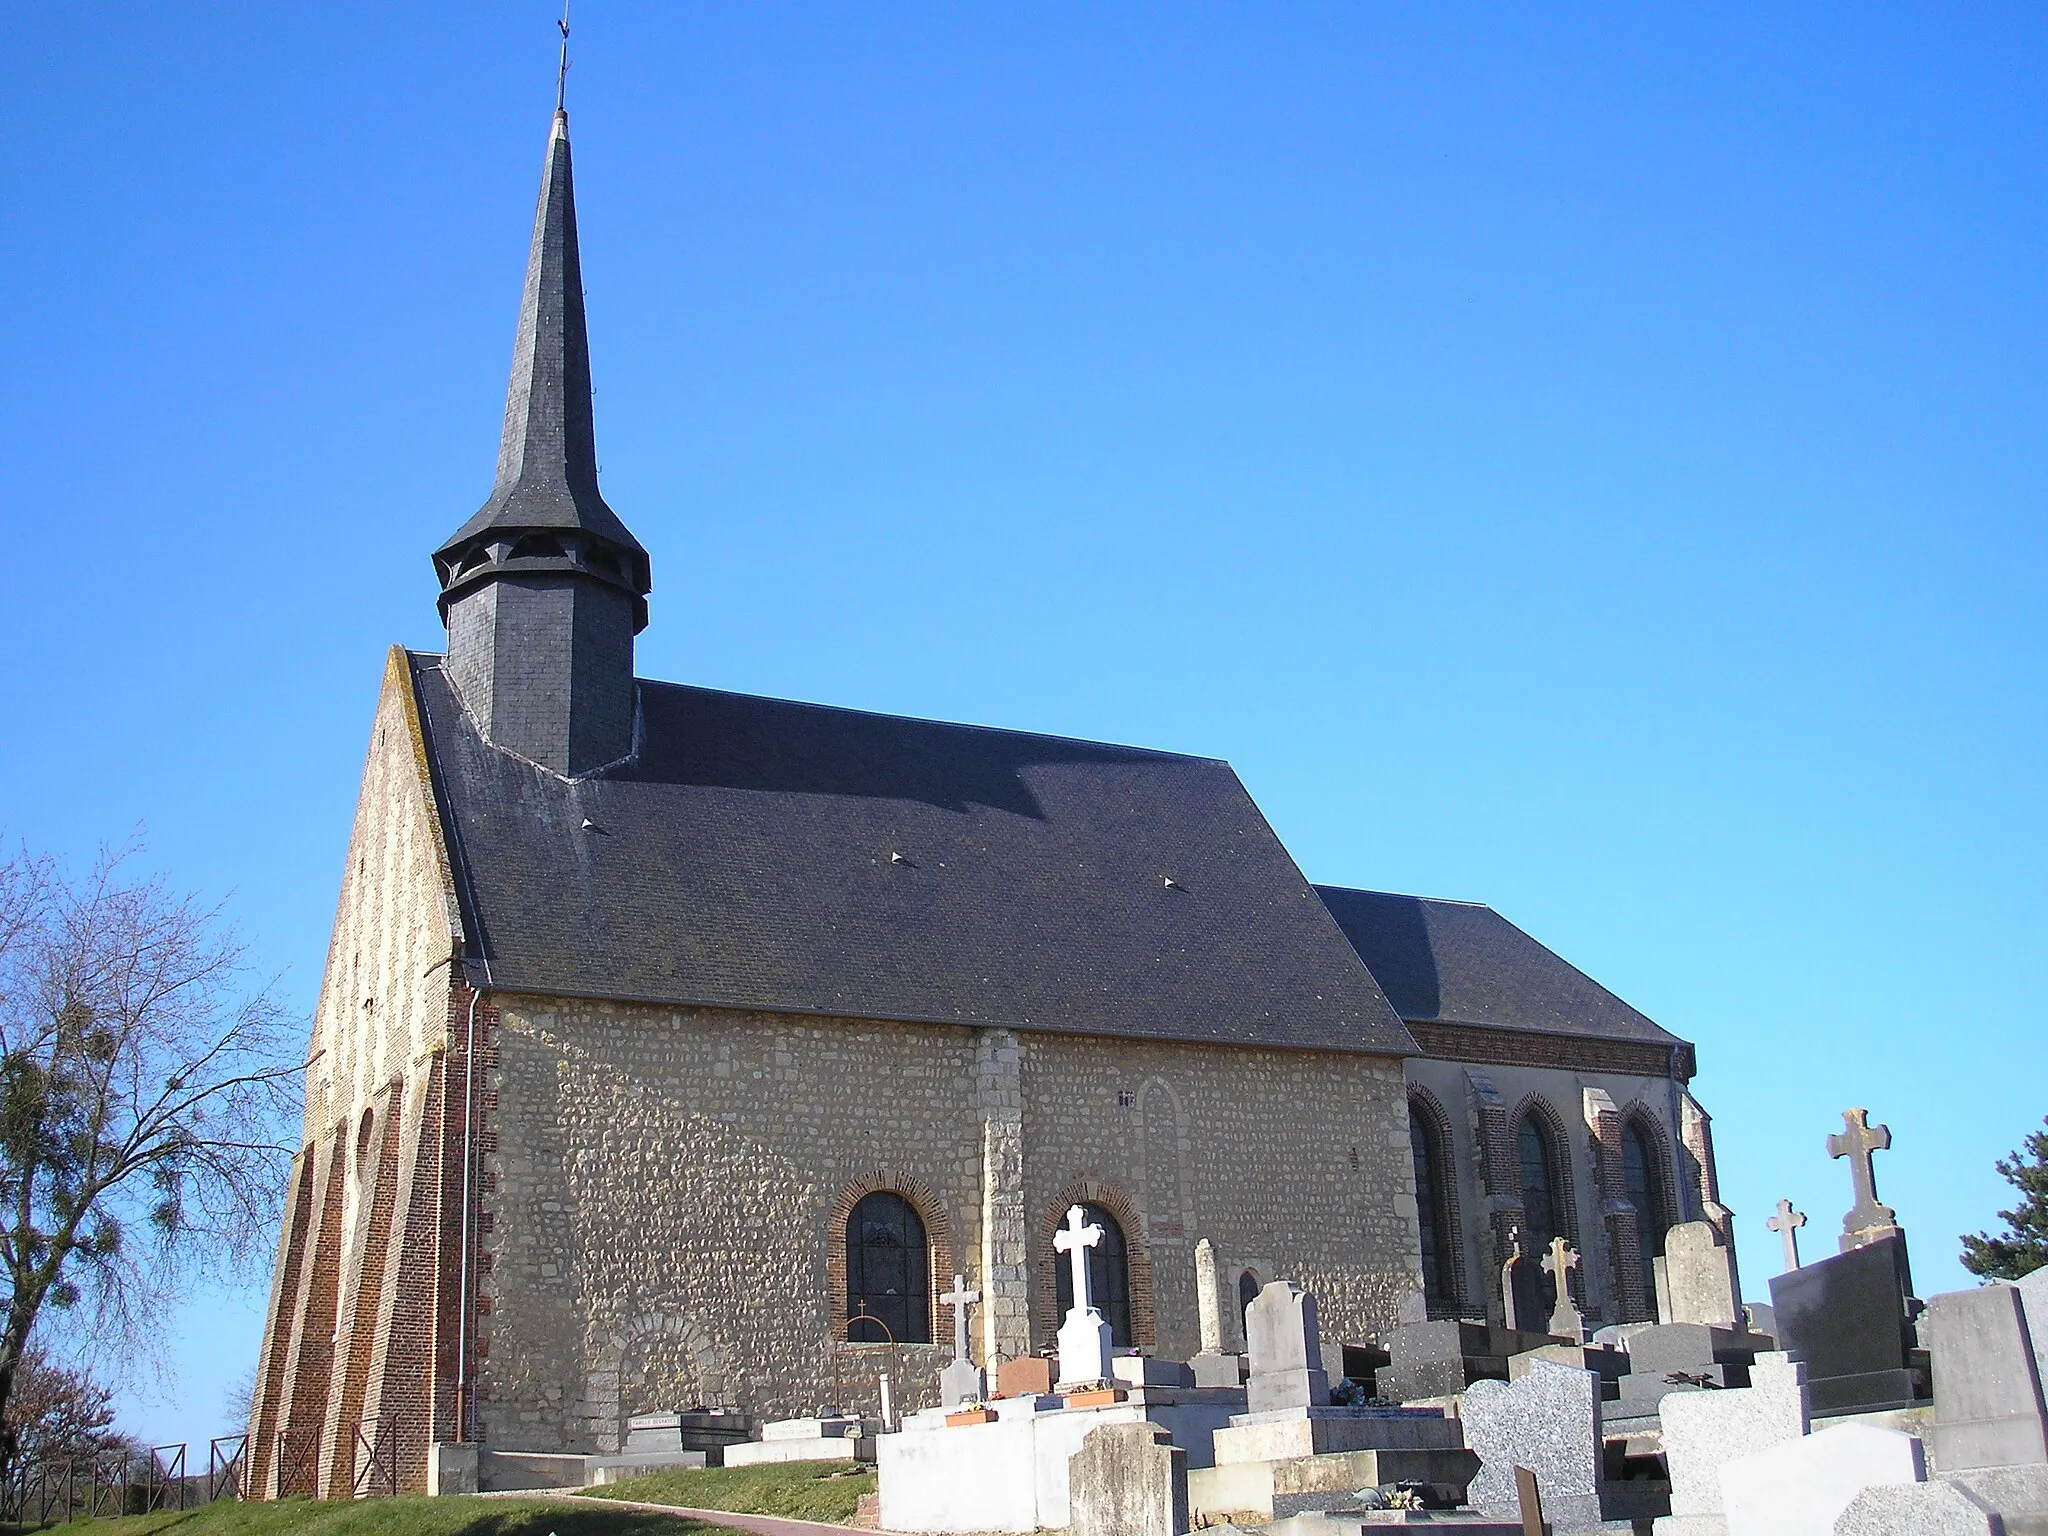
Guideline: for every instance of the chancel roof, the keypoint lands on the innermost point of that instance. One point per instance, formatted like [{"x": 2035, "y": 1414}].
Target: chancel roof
[
  {"x": 762, "y": 854},
  {"x": 1457, "y": 962}
]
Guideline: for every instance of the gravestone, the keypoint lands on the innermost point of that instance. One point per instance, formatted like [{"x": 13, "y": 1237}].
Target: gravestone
[
  {"x": 1213, "y": 1367},
  {"x": 1127, "y": 1480},
  {"x": 1565, "y": 1321},
  {"x": 1761, "y": 1317},
  {"x": 1696, "y": 1280},
  {"x": 1286, "y": 1351},
  {"x": 1673, "y": 1358},
  {"x": 1849, "y": 1318},
  {"x": 1702, "y": 1430},
  {"x": 1917, "y": 1509},
  {"x": 1801, "y": 1487},
  {"x": 1786, "y": 1223},
  {"x": 2033, "y": 1291},
  {"x": 1026, "y": 1376},
  {"x": 1084, "y": 1337},
  {"x": 1521, "y": 1290},
  {"x": 1867, "y": 1221},
  {"x": 1988, "y": 1410},
  {"x": 962, "y": 1380},
  {"x": 1549, "y": 1422}
]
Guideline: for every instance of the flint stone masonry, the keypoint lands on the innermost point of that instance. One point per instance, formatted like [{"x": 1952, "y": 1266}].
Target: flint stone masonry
[
  {"x": 1800, "y": 1488},
  {"x": 682, "y": 1165},
  {"x": 1127, "y": 1480}
]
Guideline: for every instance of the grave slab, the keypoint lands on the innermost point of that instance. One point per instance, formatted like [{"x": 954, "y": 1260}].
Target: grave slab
[
  {"x": 1286, "y": 1351},
  {"x": 1988, "y": 1410},
  {"x": 1696, "y": 1281},
  {"x": 1801, "y": 1488},
  {"x": 1127, "y": 1480},
  {"x": 1917, "y": 1509},
  {"x": 1848, "y": 1318},
  {"x": 1549, "y": 1422},
  {"x": 1702, "y": 1430}
]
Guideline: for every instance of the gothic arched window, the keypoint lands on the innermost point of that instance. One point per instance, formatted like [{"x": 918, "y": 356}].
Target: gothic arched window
[
  {"x": 1542, "y": 1185},
  {"x": 1639, "y": 1162},
  {"x": 1432, "y": 1209},
  {"x": 888, "y": 1273},
  {"x": 1109, "y": 1277},
  {"x": 1247, "y": 1293}
]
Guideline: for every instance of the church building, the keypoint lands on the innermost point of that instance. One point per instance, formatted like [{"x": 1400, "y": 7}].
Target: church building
[{"x": 678, "y": 1048}]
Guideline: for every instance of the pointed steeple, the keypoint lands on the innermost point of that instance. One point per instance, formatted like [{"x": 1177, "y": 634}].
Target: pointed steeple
[
  {"x": 544, "y": 589},
  {"x": 545, "y": 512}
]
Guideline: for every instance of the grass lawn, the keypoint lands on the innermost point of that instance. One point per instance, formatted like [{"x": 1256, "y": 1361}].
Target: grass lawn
[
  {"x": 408, "y": 1516},
  {"x": 796, "y": 1490}
]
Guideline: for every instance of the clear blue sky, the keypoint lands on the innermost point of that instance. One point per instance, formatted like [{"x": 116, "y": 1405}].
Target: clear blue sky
[{"x": 1585, "y": 460}]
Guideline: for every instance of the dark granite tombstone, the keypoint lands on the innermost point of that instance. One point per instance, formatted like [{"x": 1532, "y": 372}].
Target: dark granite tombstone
[{"x": 1850, "y": 1319}]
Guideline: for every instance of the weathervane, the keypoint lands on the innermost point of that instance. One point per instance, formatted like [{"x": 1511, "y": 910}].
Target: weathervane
[{"x": 562, "y": 73}]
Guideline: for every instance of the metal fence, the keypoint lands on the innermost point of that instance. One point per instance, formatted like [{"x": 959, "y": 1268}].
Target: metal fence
[{"x": 102, "y": 1484}]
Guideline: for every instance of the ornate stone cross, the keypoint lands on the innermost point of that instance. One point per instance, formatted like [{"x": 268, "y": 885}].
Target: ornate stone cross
[
  {"x": 1859, "y": 1139},
  {"x": 960, "y": 1299},
  {"x": 1558, "y": 1264},
  {"x": 1787, "y": 1224},
  {"x": 1075, "y": 1239}
]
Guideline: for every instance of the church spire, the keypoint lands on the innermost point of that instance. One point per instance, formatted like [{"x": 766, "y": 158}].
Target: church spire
[
  {"x": 545, "y": 579},
  {"x": 547, "y": 458}
]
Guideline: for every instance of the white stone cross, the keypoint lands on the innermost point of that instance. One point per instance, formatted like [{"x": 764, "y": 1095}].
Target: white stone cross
[
  {"x": 960, "y": 1299},
  {"x": 1559, "y": 1263},
  {"x": 1787, "y": 1224},
  {"x": 1075, "y": 1239}
]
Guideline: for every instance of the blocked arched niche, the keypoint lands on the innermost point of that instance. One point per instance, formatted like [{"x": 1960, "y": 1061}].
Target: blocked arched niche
[{"x": 658, "y": 1361}]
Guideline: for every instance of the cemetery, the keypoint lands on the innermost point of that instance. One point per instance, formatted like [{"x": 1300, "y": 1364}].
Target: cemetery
[{"x": 1843, "y": 1406}]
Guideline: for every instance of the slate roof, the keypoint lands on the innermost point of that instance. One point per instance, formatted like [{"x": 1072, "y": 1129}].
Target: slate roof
[
  {"x": 1458, "y": 962},
  {"x": 744, "y": 860}
]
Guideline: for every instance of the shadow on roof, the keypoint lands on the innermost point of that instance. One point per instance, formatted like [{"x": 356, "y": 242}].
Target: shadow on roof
[{"x": 703, "y": 738}]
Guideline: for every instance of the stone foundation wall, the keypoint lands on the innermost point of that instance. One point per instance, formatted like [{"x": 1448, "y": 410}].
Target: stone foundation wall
[{"x": 667, "y": 1191}]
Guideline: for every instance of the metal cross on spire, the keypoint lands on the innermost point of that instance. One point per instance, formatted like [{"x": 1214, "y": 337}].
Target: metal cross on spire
[
  {"x": 562, "y": 72},
  {"x": 1867, "y": 1221},
  {"x": 1787, "y": 1224}
]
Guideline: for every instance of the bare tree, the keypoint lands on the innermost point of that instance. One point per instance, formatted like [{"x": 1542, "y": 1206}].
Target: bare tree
[
  {"x": 57, "y": 1411},
  {"x": 143, "y": 1083}
]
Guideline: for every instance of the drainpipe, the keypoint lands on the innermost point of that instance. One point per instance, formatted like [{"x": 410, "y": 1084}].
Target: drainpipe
[
  {"x": 1685, "y": 1210},
  {"x": 465, "y": 1410}
]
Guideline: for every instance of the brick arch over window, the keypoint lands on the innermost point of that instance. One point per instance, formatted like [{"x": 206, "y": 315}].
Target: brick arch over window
[
  {"x": 1663, "y": 1182},
  {"x": 1113, "y": 1199},
  {"x": 938, "y": 1234},
  {"x": 1426, "y": 1113},
  {"x": 1652, "y": 1224},
  {"x": 1537, "y": 1110}
]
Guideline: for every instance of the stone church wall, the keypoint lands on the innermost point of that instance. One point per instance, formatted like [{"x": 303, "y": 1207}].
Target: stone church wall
[
  {"x": 667, "y": 1187},
  {"x": 1484, "y": 1102}
]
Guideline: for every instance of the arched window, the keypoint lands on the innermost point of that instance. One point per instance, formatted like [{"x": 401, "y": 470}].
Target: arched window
[
  {"x": 1247, "y": 1293},
  {"x": 1109, "y": 1277},
  {"x": 1639, "y": 1164},
  {"x": 1543, "y": 1216},
  {"x": 1432, "y": 1211},
  {"x": 888, "y": 1273}
]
